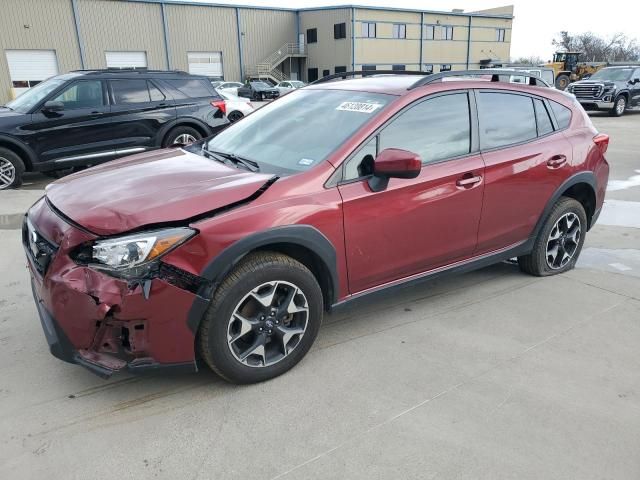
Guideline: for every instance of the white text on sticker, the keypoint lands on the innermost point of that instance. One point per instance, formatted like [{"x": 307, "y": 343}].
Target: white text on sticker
[{"x": 358, "y": 107}]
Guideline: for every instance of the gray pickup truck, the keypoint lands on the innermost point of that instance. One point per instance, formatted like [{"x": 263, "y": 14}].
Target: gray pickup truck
[{"x": 613, "y": 89}]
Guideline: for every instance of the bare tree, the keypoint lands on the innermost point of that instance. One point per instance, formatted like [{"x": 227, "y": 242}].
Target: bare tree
[
  {"x": 616, "y": 48},
  {"x": 531, "y": 60}
]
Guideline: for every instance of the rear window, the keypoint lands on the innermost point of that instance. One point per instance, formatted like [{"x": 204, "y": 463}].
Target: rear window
[
  {"x": 193, "y": 87},
  {"x": 562, "y": 113},
  {"x": 505, "y": 119}
]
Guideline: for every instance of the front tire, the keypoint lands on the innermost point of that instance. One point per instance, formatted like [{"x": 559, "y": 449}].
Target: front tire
[
  {"x": 619, "y": 106},
  {"x": 262, "y": 320},
  {"x": 562, "y": 81},
  {"x": 559, "y": 242},
  {"x": 11, "y": 169}
]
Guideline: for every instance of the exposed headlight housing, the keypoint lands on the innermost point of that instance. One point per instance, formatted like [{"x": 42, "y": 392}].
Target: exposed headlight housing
[{"x": 128, "y": 254}]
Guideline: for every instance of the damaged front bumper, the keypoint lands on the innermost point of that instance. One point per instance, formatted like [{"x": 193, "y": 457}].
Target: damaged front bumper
[{"x": 103, "y": 323}]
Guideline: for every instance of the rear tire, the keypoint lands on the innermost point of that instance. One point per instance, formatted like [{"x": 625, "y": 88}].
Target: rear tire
[
  {"x": 181, "y": 136},
  {"x": 562, "y": 81},
  {"x": 11, "y": 169},
  {"x": 619, "y": 106},
  {"x": 559, "y": 242},
  {"x": 271, "y": 305}
]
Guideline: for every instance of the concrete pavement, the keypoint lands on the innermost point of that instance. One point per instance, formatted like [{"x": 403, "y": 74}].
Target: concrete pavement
[{"x": 492, "y": 374}]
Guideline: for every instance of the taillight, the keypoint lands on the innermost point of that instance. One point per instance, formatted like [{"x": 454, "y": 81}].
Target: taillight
[
  {"x": 602, "y": 142},
  {"x": 221, "y": 105}
]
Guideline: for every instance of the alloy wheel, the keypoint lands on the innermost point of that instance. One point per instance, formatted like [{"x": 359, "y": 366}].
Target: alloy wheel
[
  {"x": 184, "y": 139},
  {"x": 621, "y": 104},
  {"x": 563, "y": 240},
  {"x": 7, "y": 173},
  {"x": 268, "y": 324}
]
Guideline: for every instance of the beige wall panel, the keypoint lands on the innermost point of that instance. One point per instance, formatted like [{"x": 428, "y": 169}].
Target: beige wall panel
[
  {"x": 492, "y": 22},
  {"x": 444, "y": 52},
  {"x": 387, "y": 16},
  {"x": 487, "y": 34},
  {"x": 455, "y": 20},
  {"x": 327, "y": 52},
  {"x": 50, "y": 27},
  {"x": 121, "y": 26},
  {"x": 203, "y": 29},
  {"x": 387, "y": 51},
  {"x": 481, "y": 51},
  {"x": 265, "y": 31}
]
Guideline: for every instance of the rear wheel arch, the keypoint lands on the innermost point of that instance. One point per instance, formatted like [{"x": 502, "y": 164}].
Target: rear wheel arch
[
  {"x": 586, "y": 195},
  {"x": 304, "y": 243}
]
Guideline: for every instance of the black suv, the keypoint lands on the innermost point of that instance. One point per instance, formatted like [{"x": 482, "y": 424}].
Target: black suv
[
  {"x": 84, "y": 118},
  {"x": 258, "y": 90},
  {"x": 613, "y": 89}
]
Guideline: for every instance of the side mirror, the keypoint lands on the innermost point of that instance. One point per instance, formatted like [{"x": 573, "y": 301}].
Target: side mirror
[
  {"x": 394, "y": 163},
  {"x": 52, "y": 106},
  {"x": 635, "y": 80}
]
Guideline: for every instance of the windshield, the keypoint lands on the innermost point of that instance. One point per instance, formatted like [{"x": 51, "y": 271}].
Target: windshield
[
  {"x": 613, "y": 74},
  {"x": 299, "y": 130},
  {"x": 29, "y": 99},
  {"x": 297, "y": 84},
  {"x": 260, "y": 84}
]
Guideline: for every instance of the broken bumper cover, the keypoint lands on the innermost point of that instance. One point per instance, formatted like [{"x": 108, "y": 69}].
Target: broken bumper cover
[{"x": 100, "y": 322}]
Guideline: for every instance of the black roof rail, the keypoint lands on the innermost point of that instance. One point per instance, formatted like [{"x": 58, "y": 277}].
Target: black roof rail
[
  {"x": 367, "y": 73},
  {"x": 534, "y": 79}
]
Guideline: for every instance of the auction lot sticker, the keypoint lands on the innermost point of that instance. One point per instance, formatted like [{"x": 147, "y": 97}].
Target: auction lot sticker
[{"x": 361, "y": 107}]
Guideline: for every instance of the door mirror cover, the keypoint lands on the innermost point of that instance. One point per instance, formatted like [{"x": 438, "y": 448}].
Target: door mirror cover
[
  {"x": 394, "y": 163},
  {"x": 53, "y": 106}
]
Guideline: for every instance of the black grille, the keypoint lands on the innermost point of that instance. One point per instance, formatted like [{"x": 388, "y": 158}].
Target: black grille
[
  {"x": 38, "y": 249},
  {"x": 587, "y": 91}
]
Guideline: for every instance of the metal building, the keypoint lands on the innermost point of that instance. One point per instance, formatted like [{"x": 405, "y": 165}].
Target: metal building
[{"x": 41, "y": 38}]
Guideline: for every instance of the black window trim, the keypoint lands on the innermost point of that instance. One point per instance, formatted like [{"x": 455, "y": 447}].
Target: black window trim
[
  {"x": 336, "y": 179},
  {"x": 62, "y": 88},
  {"x": 522, "y": 94}
]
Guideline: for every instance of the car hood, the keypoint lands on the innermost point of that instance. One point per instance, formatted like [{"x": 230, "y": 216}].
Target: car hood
[
  {"x": 606, "y": 83},
  {"x": 155, "y": 187},
  {"x": 7, "y": 112}
]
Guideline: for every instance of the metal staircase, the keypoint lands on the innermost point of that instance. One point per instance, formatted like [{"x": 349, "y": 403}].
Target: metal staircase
[{"x": 269, "y": 67}]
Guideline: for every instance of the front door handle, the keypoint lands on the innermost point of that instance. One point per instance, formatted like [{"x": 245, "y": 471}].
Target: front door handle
[
  {"x": 556, "y": 161},
  {"x": 468, "y": 182}
]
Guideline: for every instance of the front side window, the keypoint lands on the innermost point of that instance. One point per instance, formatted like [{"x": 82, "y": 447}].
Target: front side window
[
  {"x": 399, "y": 30},
  {"x": 130, "y": 91},
  {"x": 436, "y": 129},
  {"x": 505, "y": 119},
  {"x": 301, "y": 129},
  {"x": 29, "y": 99},
  {"x": 82, "y": 94},
  {"x": 369, "y": 30}
]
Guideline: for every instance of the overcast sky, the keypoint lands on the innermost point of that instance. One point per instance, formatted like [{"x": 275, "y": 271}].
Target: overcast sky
[{"x": 536, "y": 21}]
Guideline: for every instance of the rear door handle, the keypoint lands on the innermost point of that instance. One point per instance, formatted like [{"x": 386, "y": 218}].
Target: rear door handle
[
  {"x": 556, "y": 161},
  {"x": 468, "y": 181}
]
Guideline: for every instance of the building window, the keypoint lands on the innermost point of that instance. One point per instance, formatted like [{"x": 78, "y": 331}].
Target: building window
[
  {"x": 428, "y": 68},
  {"x": 445, "y": 67},
  {"x": 447, "y": 32},
  {"x": 399, "y": 30},
  {"x": 368, "y": 30},
  {"x": 398, "y": 68},
  {"x": 339, "y": 30},
  {"x": 326, "y": 73},
  {"x": 430, "y": 32},
  {"x": 312, "y": 74},
  {"x": 340, "y": 69},
  {"x": 312, "y": 35},
  {"x": 368, "y": 68},
  {"x": 500, "y": 34}
]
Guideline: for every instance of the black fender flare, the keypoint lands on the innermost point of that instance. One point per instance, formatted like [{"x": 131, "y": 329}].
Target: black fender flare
[
  {"x": 582, "y": 177},
  {"x": 26, "y": 150},
  {"x": 305, "y": 236}
]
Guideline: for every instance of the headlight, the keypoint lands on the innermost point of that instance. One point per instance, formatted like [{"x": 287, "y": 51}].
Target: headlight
[{"x": 135, "y": 250}]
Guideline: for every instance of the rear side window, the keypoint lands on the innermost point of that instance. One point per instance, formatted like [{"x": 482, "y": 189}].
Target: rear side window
[
  {"x": 542, "y": 117},
  {"x": 505, "y": 119},
  {"x": 192, "y": 87},
  {"x": 562, "y": 113},
  {"x": 156, "y": 94},
  {"x": 130, "y": 91},
  {"x": 435, "y": 129}
]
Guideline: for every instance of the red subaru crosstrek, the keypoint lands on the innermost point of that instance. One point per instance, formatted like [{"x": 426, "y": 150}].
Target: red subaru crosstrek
[{"x": 229, "y": 250}]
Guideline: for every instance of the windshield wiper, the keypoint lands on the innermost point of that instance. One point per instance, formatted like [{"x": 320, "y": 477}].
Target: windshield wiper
[{"x": 248, "y": 164}]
